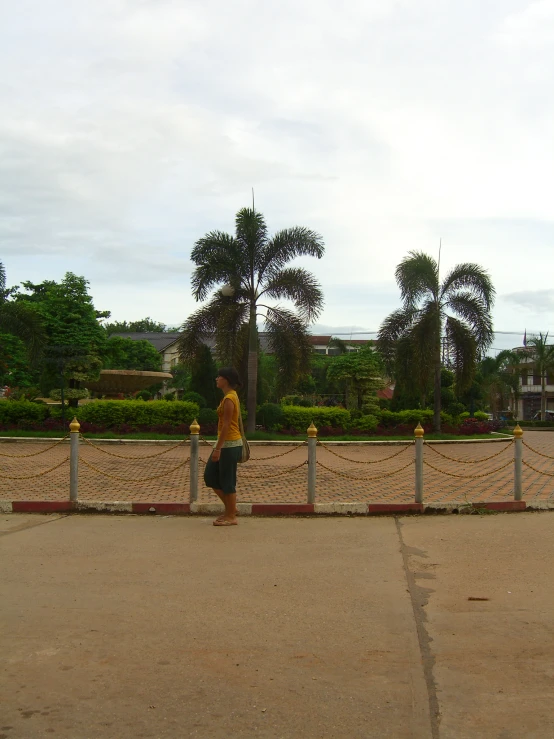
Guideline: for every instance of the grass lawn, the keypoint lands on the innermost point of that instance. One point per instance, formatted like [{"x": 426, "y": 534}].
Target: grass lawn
[{"x": 256, "y": 436}]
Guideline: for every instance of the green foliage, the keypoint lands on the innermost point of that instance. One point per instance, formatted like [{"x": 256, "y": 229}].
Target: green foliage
[
  {"x": 15, "y": 370},
  {"x": 18, "y": 319},
  {"x": 193, "y": 397},
  {"x": 181, "y": 377},
  {"x": 306, "y": 385},
  {"x": 143, "y": 395},
  {"x": 116, "y": 412},
  {"x": 271, "y": 416},
  {"x": 13, "y": 411},
  {"x": 70, "y": 394},
  {"x": 168, "y": 397},
  {"x": 362, "y": 372},
  {"x": 481, "y": 416},
  {"x": 365, "y": 423},
  {"x": 76, "y": 339},
  {"x": 300, "y": 418},
  {"x": 203, "y": 374},
  {"x": 411, "y": 417},
  {"x": 127, "y": 354},
  {"x": 207, "y": 416},
  {"x": 296, "y": 400},
  {"x": 143, "y": 326}
]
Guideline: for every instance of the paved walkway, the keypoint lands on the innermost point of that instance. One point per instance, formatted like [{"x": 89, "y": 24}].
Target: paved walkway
[
  {"x": 128, "y": 472},
  {"x": 128, "y": 627}
]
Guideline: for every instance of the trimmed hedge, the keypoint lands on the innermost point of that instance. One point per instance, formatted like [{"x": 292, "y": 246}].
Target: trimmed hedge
[
  {"x": 13, "y": 411},
  {"x": 299, "y": 418},
  {"x": 110, "y": 413}
]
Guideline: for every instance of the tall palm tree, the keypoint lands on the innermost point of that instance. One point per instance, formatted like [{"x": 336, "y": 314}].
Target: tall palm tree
[
  {"x": 20, "y": 319},
  {"x": 411, "y": 339},
  {"x": 543, "y": 359},
  {"x": 248, "y": 271}
]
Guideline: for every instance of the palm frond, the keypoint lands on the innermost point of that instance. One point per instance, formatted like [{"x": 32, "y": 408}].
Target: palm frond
[
  {"x": 391, "y": 331},
  {"x": 251, "y": 233},
  {"x": 472, "y": 279},
  {"x": 230, "y": 339},
  {"x": 473, "y": 309},
  {"x": 287, "y": 245},
  {"x": 297, "y": 285},
  {"x": 219, "y": 259},
  {"x": 463, "y": 349},
  {"x": 2, "y": 279},
  {"x": 417, "y": 275},
  {"x": 289, "y": 339}
]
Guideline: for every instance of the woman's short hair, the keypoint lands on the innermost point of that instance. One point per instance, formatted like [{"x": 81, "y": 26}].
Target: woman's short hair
[{"x": 231, "y": 375}]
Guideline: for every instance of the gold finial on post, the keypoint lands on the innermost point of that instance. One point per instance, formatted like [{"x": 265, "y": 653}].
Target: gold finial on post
[
  {"x": 194, "y": 427},
  {"x": 418, "y": 431},
  {"x": 518, "y": 432},
  {"x": 312, "y": 431},
  {"x": 75, "y": 426}
]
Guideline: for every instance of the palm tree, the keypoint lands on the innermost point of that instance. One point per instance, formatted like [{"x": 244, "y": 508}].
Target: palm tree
[
  {"x": 543, "y": 359},
  {"x": 20, "y": 319},
  {"x": 411, "y": 339},
  {"x": 499, "y": 379},
  {"x": 248, "y": 271}
]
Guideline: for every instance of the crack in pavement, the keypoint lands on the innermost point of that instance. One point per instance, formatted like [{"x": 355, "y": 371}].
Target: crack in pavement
[
  {"x": 419, "y": 598},
  {"x": 31, "y": 525}
]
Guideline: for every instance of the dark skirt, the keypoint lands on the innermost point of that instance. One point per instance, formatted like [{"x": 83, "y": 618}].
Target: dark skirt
[{"x": 222, "y": 475}]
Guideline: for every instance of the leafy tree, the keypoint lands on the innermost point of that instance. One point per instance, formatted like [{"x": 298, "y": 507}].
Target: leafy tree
[
  {"x": 411, "y": 338},
  {"x": 20, "y": 320},
  {"x": 363, "y": 373},
  {"x": 253, "y": 265},
  {"x": 181, "y": 378},
  {"x": 15, "y": 370},
  {"x": 128, "y": 354},
  {"x": 144, "y": 325},
  {"x": 76, "y": 340},
  {"x": 543, "y": 360}
]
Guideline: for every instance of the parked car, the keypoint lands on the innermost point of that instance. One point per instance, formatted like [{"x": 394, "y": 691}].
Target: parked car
[{"x": 549, "y": 416}]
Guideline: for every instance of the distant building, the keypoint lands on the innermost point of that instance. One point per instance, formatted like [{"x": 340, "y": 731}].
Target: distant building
[{"x": 529, "y": 400}]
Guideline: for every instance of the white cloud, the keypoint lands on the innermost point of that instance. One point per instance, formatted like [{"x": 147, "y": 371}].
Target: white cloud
[{"x": 133, "y": 127}]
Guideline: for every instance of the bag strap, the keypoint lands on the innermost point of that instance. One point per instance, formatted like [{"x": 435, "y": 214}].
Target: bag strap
[{"x": 241, "y": 427}]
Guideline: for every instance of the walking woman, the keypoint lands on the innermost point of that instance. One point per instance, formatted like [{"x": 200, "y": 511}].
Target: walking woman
[{"x": 221, "y": 469}]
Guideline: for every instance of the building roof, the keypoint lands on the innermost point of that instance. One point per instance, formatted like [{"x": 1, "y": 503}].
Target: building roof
[{"x": 159, "y": 340}]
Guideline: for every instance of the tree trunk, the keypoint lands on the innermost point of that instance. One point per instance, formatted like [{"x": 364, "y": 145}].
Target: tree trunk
[
  {"x": 437, "y": 388},
  {"x": 543, "y": 396},
  {"x": 252, "y": 370}
]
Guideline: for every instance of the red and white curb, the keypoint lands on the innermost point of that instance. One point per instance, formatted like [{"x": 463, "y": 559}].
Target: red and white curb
[{"x": 262, "y": 509}]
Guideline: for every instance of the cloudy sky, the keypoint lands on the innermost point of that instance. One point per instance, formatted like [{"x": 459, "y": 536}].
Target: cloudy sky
[{"x": 129, "y": 128}]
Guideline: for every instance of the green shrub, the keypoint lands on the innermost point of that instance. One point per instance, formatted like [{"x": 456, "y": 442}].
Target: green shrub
[
  {"x": 299, "y": 418},
  {"x": 365, "y": 423},
  {"x": 193, "y": 397},
  {"x": 481, "y": 416},
  {"x": 411, "y": 417},
  {"x": 116, "y": 412},
  {"x": 12, "y": 411},
  {"x": 271, "y": 416},
  {"x": 168, "y": 396},
  {"x": 206, "y": 416},
  {"x": 143, "y": 395}
]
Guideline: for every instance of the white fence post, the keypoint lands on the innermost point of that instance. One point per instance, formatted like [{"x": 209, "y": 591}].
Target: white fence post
[
  {"x": 74, "y": 429},
  {"x": 518, "y": 466},
  {"x": 418, "y": 433},
  {"x": 312, "y": 461},
  {"x": 194, "y": 437}
]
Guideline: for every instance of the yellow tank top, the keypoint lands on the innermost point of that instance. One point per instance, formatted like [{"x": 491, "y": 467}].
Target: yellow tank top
[{"x": 234, "y": 430}]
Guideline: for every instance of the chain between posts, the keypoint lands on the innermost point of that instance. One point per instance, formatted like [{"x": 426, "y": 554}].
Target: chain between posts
[
  {"x": 135, "y": 479},
  {"x": 540, "y": 472},
  {"x": 35, "y": 454},
  {"x": 546, "y": 456},
  {"x": 122, "y": 456},
  {"x": 468, "y": 477},
  {"x": 363, "y": 479},
  {"x": 38, "y": 474},
  {"x": 359, "y": 461},
  {"x": 469, "y": 461}
]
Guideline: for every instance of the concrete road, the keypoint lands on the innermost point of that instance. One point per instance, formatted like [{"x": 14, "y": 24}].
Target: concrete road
[{"x": 131, "y": 626}]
